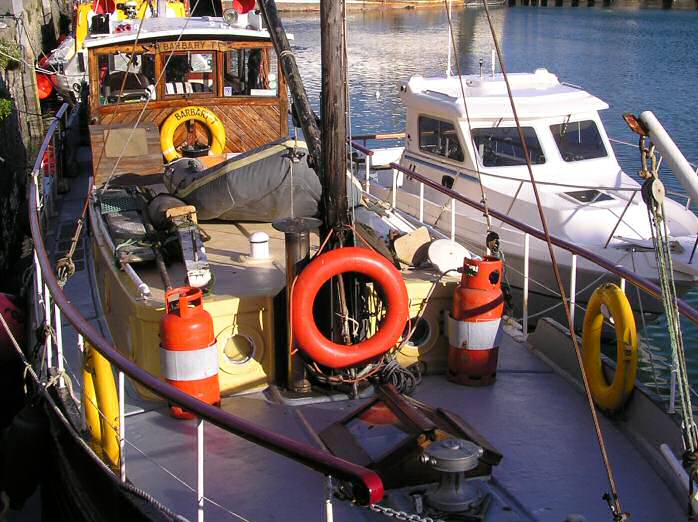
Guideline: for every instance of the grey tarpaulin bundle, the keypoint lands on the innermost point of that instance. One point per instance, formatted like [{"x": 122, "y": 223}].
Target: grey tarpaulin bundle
[{"x": 253, "y": 186}]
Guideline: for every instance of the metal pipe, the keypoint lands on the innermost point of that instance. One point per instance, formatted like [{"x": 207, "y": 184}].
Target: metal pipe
[
  {"x": 200, "y": 470},
  {"x": 361, "y": 148},
  {"x": 367, "y": 184},
  {"x": 421, "y": 201},
  {"x": 453, "y": 219},
  {"x": 573, "y": 287},
  {"x": 297, "y": 241},
  {"x": 527, "y": 241},
  {"x": 329, "y": 495},
  {"x": 143, "y": 288},
  {"x": 610, "y": 236},
  {"x": 59, "y": 345},
  {"x": 48, "y": 346},
  {"x": 394, "y": 194},
  {"x": 677, "y": 162},
  {"x": 122, "y": 427},
  {"x": 380, "y": 136},
  {"x": 38, "y": 285}
]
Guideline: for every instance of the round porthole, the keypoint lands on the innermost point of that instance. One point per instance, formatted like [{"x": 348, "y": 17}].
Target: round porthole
[
  {"x": 421, "y": 334},
  {"x": 239, "y": 349}
]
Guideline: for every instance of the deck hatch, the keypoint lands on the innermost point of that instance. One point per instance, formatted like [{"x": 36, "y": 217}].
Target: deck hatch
[{"x": 589, "y": 196}]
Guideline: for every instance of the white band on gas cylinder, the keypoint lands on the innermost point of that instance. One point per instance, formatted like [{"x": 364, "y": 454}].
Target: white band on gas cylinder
[
  {"x": 482, "y": 335},
  {"x": 189, "y": 365}
]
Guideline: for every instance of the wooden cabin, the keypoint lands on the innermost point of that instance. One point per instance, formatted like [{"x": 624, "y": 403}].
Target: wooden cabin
[{"x": 139, "y": 78}]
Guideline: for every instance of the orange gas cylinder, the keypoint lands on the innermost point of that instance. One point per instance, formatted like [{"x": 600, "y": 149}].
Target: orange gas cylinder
[
  {"x": 188, "y": 350},
  {"x": 475, "y": 323}
]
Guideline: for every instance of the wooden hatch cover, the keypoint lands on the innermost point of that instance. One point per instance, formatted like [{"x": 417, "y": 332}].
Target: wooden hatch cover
[{"x": 138, "y": 148}]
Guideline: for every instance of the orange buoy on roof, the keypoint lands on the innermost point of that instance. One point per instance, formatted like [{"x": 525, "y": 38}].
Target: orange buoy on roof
[
  {"x": 475, "y": 323},
  {"x": 44, "y": 86},
  {"x": 321, "y": 270},
  {"x": 188, "y": 350}
]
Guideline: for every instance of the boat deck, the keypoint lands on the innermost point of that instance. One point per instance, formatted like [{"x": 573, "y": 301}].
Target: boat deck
[{"x": 533, "y": 415}]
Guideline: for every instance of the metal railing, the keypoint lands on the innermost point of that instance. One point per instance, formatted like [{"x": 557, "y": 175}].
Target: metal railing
[
  {"x": 51, "y": 305},
  {"x": 624, "y": 274},
  {"x": 475, "y": 174}
]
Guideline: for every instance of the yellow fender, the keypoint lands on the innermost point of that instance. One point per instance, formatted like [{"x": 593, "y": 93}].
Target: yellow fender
[
  {"x": 177, "y": 9},
  {"x": 82, "y": 25},
  {"x": 177, "y": 118},
  {"x": 611, "y": 396},
  {"x": 99, "y": 395}
]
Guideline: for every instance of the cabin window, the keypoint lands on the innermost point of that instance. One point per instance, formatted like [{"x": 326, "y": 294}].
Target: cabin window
[
  {"x": 126, "y": 77},
  {"x": 502, "y": 147},
  {"x": 250, "y": 72},
  {"x": 578, "y": 140},
  {"x": 440, "y": 138},
  {"x": 190, "y": 73}
]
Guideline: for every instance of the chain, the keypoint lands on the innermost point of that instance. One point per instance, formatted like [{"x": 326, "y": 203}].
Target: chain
[
  {"x": 399, "y": 515},
  {"x": 341, "y": 494}
]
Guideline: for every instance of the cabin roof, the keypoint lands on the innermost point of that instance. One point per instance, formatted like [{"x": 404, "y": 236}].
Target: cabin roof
[
  {"x": 536, "y": 95},
  {"x": 161, "y": 28}
]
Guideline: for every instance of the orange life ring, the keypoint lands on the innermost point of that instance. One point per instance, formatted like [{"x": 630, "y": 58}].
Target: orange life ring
[{"x": 316, "y": 274}]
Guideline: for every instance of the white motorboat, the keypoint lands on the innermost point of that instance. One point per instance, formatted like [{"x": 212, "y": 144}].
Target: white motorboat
[{"x": 461, "y": 133}]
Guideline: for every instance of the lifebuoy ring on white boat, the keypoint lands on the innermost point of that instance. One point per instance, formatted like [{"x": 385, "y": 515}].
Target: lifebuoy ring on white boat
[
  {"x": 180, "y": 116},
  {"x": 321, "y": 270}
]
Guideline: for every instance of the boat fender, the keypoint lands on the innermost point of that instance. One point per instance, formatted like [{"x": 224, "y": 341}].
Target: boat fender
[
  {"x": 183, "y": 115},
  {"x": 321, "y": 270},
  {"x": 101, "y": 405},
  {"x": 610, "y": 397}
]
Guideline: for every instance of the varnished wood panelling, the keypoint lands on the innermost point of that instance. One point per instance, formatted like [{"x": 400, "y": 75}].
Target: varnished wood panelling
[{"x": 247, "y": 126}]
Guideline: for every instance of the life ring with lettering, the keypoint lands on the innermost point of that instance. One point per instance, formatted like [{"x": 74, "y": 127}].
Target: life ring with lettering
[
  {"x": 316, "y": 274},
  {"x": 610, "y": 397},
  {"x": 180, "y": 116}
]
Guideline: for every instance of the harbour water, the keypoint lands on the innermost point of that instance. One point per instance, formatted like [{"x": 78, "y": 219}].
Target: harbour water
[{"x": 635, "y": 60}]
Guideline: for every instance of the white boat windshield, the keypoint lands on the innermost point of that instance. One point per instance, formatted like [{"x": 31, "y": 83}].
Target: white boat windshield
[
  {"x": 578, "y": 140},
  {"x": 501, "y": 146}
]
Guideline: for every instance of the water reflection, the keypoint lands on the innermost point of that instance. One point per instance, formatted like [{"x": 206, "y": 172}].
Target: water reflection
[{"x": 386, "y": 48}]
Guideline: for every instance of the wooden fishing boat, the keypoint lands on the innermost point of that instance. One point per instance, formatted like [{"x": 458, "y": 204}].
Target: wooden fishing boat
[{"x": 288, "y": 423}]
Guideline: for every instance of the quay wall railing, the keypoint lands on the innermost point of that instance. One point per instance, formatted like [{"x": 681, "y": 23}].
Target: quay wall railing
[{"x": 51, "y": 305}]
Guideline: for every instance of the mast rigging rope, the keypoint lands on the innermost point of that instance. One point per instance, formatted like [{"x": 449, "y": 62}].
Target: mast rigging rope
[
  {"x": 612, "y": 499},
  {"x": 467, "y": 113}
]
